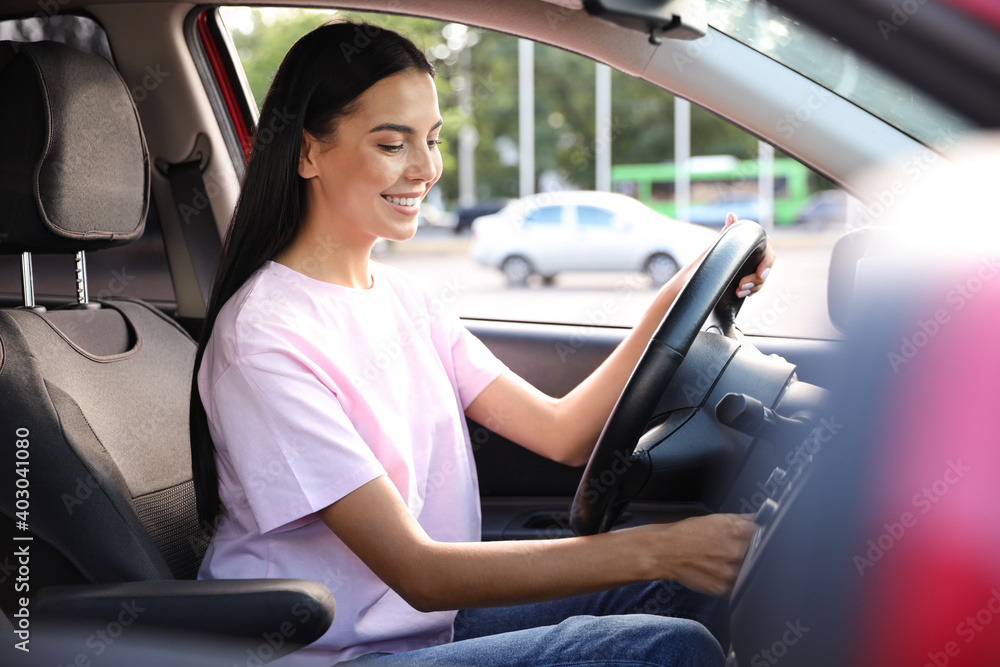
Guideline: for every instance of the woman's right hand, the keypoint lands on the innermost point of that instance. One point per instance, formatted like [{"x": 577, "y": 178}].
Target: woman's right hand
[{"x": 705, "y": 553}]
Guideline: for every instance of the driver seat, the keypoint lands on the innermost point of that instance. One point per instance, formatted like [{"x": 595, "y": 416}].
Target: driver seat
[{"x": 96, "y": 395}]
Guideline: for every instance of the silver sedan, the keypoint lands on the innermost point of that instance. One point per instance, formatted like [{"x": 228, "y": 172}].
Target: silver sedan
[{"x": 552, "y": 232}]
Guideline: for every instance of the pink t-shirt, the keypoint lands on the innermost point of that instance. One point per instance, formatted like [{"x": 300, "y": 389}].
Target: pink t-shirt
[{"x": 313, "y": 390}]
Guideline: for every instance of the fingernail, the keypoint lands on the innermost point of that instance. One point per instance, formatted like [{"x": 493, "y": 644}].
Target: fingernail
[
  {"x": 743, "y": 293},
  {"x": 746, "y": 286},
  {"x": 763, "y": 274}
]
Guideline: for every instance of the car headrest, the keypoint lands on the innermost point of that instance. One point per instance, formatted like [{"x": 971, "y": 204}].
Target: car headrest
[{"x": 74, "y": 169}]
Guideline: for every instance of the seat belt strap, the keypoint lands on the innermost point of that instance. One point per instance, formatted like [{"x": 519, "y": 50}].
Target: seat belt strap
[{"x": 201, "y": 235}]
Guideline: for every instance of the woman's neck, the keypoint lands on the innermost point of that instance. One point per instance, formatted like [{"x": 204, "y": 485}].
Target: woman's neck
[{"x": 322, "y": 256}]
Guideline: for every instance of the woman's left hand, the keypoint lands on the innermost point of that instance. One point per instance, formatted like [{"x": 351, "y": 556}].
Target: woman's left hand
[{"x": 752, "y": 283}]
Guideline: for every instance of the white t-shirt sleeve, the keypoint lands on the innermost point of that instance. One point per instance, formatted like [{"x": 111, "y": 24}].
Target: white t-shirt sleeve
[
  {"x": 292, "y": 447},
  {"x": 475, "y": 366}
]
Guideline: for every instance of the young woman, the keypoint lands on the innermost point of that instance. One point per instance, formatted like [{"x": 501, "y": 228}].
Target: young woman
[{"x": 329, "y": 405}]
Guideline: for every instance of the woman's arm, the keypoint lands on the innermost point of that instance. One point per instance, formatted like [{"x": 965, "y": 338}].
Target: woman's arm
[
  {"x": 566, "y": 429},
  {"x": 702, "y": 553}
]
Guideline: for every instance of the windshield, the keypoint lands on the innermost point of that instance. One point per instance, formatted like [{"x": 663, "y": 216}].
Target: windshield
[{"x": 832, "y": 65}]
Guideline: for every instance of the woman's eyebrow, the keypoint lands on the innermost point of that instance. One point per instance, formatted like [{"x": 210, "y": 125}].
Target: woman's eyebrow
[{"x": 405, "y": 129}]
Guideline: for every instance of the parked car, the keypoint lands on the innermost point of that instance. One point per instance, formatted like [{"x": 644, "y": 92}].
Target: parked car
[
  {"x": 553, "y": 232},
  {"x": 467, "y": 215},
  {"x": 828, "y": 209},
  {"x": 847, "y": 571}
]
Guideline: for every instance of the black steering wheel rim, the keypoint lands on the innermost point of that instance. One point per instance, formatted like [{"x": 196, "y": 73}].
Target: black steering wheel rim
[{"x": 712, "y": 288}]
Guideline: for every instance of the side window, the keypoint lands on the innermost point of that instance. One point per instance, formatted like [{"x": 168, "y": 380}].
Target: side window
[
  {"x": 138, "y": 269},
  {"x": 591, "y": 216},
  {"x": 545, "y": 216},
  {"x": 478, "y": 76}
]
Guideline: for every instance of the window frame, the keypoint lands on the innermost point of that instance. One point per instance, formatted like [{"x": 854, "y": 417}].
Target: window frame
[{"x": 215, "y": 60}]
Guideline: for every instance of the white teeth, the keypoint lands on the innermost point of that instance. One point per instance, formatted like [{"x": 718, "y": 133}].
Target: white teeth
[{"x": 403, "y": 201}]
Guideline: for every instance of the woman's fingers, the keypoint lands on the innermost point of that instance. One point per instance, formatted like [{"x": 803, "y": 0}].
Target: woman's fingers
[
  {"x": 746, "y": 285},
  {"x": 764, "y": 267},
  {"x": 710, "y": 551},
  {"x": 752, "y": 283}
]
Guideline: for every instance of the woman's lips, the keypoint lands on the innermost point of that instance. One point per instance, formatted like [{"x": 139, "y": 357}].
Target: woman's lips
[
  {"x": 407, "y": 204},
  {"x": 404, "y": 200},
  {"x": 402, "y": 203}
]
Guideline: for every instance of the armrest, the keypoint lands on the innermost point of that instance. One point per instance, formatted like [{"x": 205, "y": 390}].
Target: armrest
[{"x": 287, "y": 613}]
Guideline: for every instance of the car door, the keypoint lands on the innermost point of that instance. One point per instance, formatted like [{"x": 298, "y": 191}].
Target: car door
[
  {"x": 540, "y": 237},
  {"x": 603, "y": 240}
]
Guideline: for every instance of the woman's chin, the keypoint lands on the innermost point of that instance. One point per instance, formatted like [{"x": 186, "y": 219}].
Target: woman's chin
[{"x": 400, "y": 234}]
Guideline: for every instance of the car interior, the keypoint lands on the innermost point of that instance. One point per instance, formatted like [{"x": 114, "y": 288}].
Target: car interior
[{"x": 141, "y": 149}]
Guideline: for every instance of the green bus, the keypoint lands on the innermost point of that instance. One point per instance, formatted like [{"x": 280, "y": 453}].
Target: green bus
[{"x": 719, "y": 183}]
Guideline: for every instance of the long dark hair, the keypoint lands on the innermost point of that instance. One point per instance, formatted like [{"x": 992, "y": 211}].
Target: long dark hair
[{"x": 318, "y": 82}]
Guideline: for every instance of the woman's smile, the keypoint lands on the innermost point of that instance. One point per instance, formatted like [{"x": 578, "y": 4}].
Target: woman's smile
[{"x": 407, "y": 204}]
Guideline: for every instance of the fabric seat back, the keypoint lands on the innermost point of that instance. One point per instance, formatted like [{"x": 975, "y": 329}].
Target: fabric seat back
[{"x": 93, "y": 401}]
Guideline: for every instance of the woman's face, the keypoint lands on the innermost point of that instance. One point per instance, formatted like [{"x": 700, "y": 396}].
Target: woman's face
[{"x": 369, "y": 181}]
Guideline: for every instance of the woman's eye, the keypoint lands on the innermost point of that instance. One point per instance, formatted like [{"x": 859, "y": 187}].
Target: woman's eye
[
  {"x": 391, "y": 148},
  {"x": 433, "y": 143}
]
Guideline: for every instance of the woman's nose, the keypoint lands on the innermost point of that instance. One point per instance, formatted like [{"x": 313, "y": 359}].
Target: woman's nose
[{"x": 423, "y": 167}]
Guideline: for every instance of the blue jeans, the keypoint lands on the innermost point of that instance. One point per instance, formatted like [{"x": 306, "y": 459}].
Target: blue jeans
[{"x": 647, "y": 624}]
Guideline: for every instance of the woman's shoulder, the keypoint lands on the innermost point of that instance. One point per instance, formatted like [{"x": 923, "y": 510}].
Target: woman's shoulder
[{"x": 247, "y": 321}]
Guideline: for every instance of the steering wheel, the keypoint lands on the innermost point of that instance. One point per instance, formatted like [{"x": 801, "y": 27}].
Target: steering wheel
[{"x": 737, "y": 252}]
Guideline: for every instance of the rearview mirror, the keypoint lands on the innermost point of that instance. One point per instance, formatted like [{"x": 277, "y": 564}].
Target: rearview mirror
[{"x": 663, "y": 19}]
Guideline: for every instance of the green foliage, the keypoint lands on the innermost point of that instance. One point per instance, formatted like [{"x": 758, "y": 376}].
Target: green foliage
[
  {"x": 477, "y": 86},
  {"x": 268, "y": 38}
]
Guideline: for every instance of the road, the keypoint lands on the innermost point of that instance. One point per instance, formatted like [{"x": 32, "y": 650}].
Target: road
[{"x": 792, "y": 303}]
